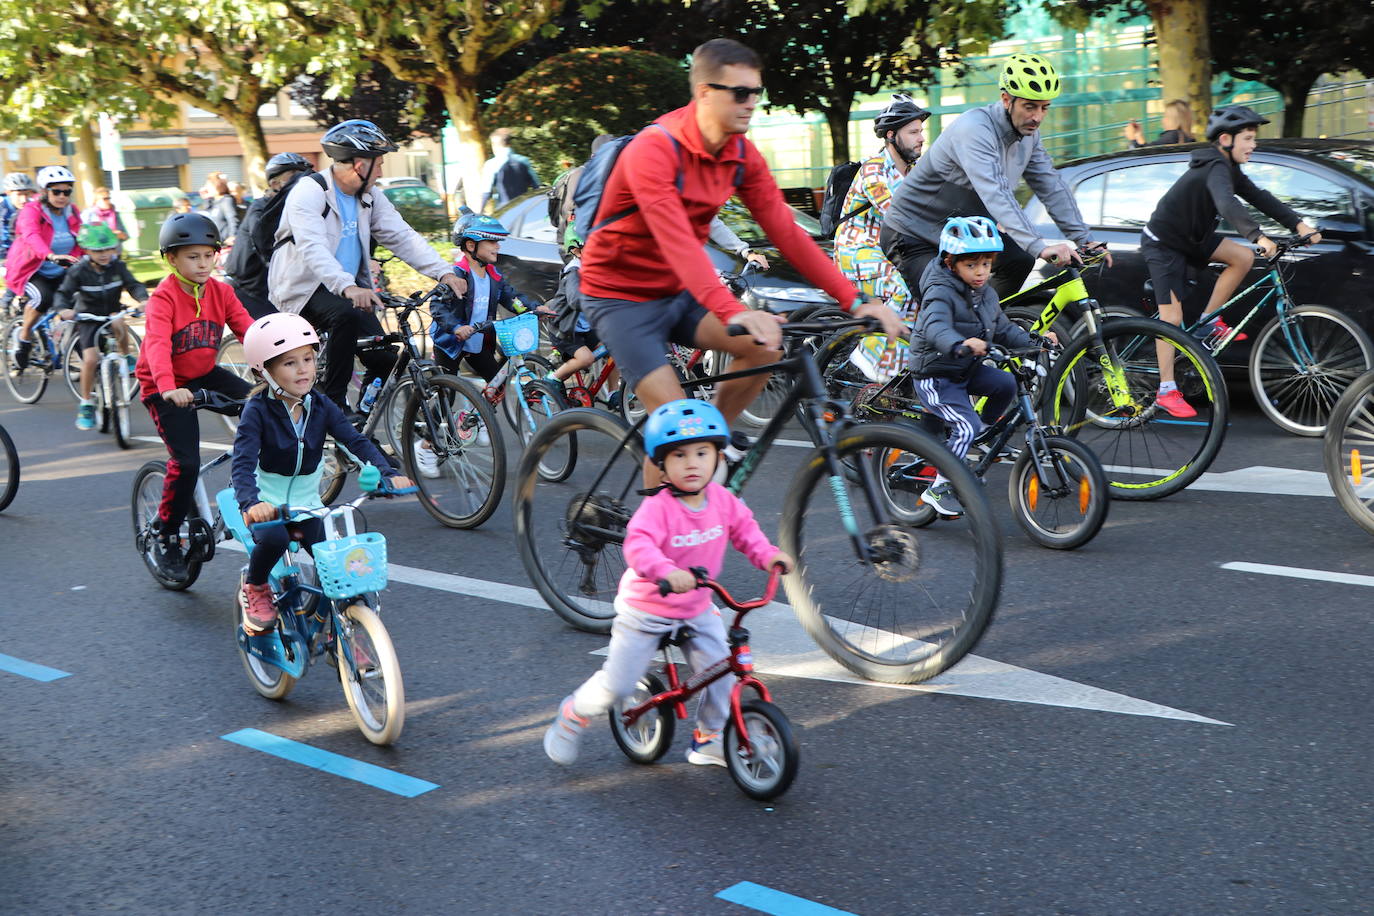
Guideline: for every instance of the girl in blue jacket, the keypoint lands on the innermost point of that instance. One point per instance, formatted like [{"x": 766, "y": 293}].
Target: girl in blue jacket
[{"x": 279, "y": 451}]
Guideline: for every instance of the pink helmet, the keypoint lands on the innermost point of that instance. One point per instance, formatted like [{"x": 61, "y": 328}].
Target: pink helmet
[{"x": 273, "y": 335}]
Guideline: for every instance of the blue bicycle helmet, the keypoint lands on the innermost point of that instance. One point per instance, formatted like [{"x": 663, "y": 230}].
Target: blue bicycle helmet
[
  {"x": 679, "y": 422},
  {"x": 970, "y": 235},
  {"x": 478, "y": 228}
]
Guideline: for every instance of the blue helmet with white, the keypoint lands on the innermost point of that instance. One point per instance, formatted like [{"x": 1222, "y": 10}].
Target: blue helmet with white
[
  {"x": 970, "y": 235},
  {"x": 680, "y": 422},
  {"x": 477, "y": 228}
]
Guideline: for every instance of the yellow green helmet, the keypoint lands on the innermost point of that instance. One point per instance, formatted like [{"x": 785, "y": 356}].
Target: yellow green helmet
[{"x": 1029, "y": 76}]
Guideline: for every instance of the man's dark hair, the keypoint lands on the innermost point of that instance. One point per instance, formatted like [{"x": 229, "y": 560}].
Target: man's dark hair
[{"x": 717, "y": 54}]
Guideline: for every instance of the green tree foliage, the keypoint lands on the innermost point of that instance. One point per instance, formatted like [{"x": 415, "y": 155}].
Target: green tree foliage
[
  {"x": 1288, "y": 44},
  {"x": 556, "y": 108}
]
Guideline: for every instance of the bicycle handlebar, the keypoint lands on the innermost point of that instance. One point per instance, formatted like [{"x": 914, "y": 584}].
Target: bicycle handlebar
[
  {"x": 284, "y": 513},
  {"x": 214, "y": 400},
  {"x": 705, "y": 581}
]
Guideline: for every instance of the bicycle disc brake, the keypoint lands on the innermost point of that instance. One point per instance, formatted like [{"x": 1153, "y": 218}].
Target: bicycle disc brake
[
  {"x": 896, "y": 556},
  {"x": 591, "y": 520}
]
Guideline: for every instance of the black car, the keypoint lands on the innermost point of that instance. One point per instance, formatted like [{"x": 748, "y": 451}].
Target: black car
[
  {"x": 419, "y": 205},
  {"x": 1330, "y": 183},
  {"x": 531, "y": 263}
]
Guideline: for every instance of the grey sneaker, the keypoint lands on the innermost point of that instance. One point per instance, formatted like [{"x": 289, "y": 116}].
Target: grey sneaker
[
  {"x": 941, "y": 498},
  {"x": 706, "y": 749},
  {"x": 564, "y": 736}
]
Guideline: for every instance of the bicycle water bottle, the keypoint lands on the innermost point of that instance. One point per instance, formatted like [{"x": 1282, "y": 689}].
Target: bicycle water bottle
[{"x": 370, "y": 396}]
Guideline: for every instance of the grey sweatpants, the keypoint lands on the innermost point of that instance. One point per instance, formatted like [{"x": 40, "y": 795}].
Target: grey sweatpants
[{"x": 635, "y": 638}]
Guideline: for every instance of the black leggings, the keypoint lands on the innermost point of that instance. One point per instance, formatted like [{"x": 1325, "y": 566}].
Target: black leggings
[
  {"x": 256, "y": 306},
  {"x": 180, "y": 430},
  {"x": 271, "y": 543},
  {"x": 345, "y": 324},
  {"x": 910, "y": 255}
]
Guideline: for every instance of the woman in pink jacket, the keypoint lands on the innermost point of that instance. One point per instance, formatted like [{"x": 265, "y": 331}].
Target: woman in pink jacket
[{"x": 44, "y": 247}]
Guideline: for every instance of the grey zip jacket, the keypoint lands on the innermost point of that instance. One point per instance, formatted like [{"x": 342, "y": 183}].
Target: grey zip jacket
[
  {"x": 972, "y": 169},
  {"x": 951, "y": 313}
]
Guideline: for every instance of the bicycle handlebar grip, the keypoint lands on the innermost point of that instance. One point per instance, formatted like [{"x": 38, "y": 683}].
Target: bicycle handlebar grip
[
  {"x": 736, "y": 330},
  {"x": 664, "y": 588}
]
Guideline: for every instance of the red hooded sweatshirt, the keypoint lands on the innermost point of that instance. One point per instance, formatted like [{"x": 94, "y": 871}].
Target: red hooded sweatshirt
[
  {"x": 658, "y": 251},
  {"x": 181, "y": 338}
]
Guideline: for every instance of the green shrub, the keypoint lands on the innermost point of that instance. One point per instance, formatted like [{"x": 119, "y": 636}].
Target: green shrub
[{"x": 557, "y": 108}]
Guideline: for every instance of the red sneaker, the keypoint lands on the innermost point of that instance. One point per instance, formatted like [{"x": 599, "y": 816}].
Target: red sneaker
[
  {"x": 259, "y": 611},
  {"x": 1174, "y": 405},
  {"x": 1222, "y": 329}
]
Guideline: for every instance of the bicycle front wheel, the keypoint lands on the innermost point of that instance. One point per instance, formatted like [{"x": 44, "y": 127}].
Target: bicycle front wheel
[
  {"x": 26, "y": 384},
  {"x": 230, "y": 356},
  {"x": 124, "y": 387},
  {"x": 9, "y": 473},
  {"x": 1058, "y": 493},
  {"x": 370, "y": 674},
  {"x": 461, "y": 477},
  {"x": 570, "y": 531},
  {"x": 539, "y": 402},
  {"x": 1303, "y": 362},
  {"x": 889, "y": 602},
  {"x": 1108, "y": 401},
  {"x": 1348, "y": 451}
]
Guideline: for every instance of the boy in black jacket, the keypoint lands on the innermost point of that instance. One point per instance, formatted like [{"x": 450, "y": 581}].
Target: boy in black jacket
[
  {"x": 94, "y": 285},
  {"x": 959, "y": 316},
  {"x": 1182, "y": 233}
]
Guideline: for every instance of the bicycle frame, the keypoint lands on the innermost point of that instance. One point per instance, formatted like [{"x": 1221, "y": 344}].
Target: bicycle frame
[{"x": 1276, "y": 291}]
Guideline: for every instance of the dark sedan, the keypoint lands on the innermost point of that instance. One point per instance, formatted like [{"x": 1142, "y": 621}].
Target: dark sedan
[
  {"x": 530, "y": 259},
  {"x": 1330, "y": 183}
]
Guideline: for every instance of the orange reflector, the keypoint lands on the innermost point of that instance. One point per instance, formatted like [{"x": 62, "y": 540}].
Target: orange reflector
[
  {"x": 892, "y": 456},
  {"x": 829, "y": 416},
  {"x": 1033, "y": 492},
  {"x": 1084, "y": 495},
  {"x": 1355, "y": 469}
]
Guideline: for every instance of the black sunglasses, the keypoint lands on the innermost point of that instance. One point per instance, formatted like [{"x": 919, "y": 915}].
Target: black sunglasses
[
  {"x": 66, "y": 191},
  {"x": 742, "y": 93}
]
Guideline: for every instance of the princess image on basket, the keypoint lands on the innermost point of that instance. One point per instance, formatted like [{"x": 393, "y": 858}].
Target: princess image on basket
[{"x": 358, "y": 563}]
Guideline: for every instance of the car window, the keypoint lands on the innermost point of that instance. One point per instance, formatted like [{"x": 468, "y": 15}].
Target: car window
[
  {"x": 427, "y": 196},
  {"x": 402, "y": 196},
  {"x": 536, "y": 226},
  {"x": 1088, "y": 194},
  {"x": 737, "y": 217},
  {"x": 1131, "y": 194},
  {"x": 1312, "y": 196}
]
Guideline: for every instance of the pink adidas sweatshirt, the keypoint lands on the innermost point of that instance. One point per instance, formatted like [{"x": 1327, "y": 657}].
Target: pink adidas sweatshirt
[{"x": 664, "y": 535}]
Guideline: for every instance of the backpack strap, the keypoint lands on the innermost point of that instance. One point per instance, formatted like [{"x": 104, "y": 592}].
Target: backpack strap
[{"x": 318, "y": 178}]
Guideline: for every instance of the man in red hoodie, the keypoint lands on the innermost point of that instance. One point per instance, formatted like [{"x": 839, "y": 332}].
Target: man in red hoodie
[
  {"x": 646, "y": 279},
  {"x": 186, "y": 316}
]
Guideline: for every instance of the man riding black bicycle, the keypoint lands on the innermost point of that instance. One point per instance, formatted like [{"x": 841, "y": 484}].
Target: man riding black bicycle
[
  {"x": 972, "y": 169},
  {"x": 322, "y": 265}
]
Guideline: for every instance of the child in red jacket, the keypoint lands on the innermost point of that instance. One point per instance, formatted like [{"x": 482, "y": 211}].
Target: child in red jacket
[{"x": 185, "y": 319}]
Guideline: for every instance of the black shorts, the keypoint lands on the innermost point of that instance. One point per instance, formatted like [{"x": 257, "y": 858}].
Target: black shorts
[
  {"x": 1169, "y": 266},
  {"x": 87, "y": 334},
  {"x": 638, "y": 333},
  {"x": 567, "y": 346}
]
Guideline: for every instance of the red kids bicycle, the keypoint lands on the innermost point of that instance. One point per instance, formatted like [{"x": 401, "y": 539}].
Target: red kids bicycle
[{"x": 761, "y": 752}]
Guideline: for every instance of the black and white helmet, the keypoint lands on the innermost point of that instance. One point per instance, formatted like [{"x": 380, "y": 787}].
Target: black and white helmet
[
  {"x": 287, "y": 162},
  {"x": 1231, "y": 119},
  {"x": 356, "y": 139},
  {"x": 898, "y": 114},
  {"x": 19, "y": 181}
]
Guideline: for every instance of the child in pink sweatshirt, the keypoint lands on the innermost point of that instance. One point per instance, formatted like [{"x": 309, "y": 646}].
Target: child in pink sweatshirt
[{"x": 686, "y": 523}]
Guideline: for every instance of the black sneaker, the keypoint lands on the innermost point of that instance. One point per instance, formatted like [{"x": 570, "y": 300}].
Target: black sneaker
[
  {"x": 21, "y": 354},
  {"x": 941, "y": 498},
  {"x": 171, "y": 559}
]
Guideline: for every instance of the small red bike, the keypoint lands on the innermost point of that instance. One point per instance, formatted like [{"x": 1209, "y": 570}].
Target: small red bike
[{"x": 761, "y": 752}]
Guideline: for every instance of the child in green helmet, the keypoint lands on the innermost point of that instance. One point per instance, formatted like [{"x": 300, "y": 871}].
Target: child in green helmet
[{"x": 95, "y": 285}]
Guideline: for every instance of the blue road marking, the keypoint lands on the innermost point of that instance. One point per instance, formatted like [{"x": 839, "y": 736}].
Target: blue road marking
[
  {"x": 339, "y": 765},
  {"x": 776, "y": 903},
  {"x": 30, "y": 669}
]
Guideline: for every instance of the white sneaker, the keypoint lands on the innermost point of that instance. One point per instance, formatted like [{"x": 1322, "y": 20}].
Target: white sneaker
[
  {"x": 564, "y": 737},
  {"x": 426, "y": 462},
  {"x": 470, "y": 427},
  {"x": 706, "y": 750}
]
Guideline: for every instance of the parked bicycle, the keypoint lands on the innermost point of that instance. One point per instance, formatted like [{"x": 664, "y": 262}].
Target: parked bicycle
[
  {"x": 351, "y": 570},
  {"x": 761, "y": 750},
  {"x": 886, "y": 601}
]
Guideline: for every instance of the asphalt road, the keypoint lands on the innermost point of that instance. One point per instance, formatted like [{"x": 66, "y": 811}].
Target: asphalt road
[{"x": 1238, "y": 784}]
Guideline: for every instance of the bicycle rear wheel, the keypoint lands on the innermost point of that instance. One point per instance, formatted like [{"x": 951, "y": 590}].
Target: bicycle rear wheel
[
  {"x": 27, "y": 384},
  {"x": 920, "y": 600},
  {"x": 9, "y": 473},
  {"x": 1302, "y": 363},
  {"x": 1145, "y": 452},
  {"x": 1348, "y": 451},
  {"x": 651, "y": 735},
  {"x": 370, "y": 674},
  {"x": 570, "y": 531},
  {"x": 147, "y": 497},
  {"x": 451, "y": 418},
  {"x": 1059, "y": 496}
]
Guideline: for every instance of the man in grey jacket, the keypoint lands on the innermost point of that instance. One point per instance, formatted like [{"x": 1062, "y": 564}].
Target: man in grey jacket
[
  {"x": 973, "y": 168},
  {"x": 321, "y": 264}
]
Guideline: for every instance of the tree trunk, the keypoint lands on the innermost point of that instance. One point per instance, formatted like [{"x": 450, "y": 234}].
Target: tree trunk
[
  {"x": 837, "y": 119},
  {"x": 1295, "y": 106},
  {"x": 461, "y": 102},
  {"x": 1185, "y": 55},
  {"x": 249, "y": 129},
  {"x": 88, "y": 173}
]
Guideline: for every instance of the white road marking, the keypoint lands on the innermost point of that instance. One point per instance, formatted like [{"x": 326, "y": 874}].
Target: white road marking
[
  {"x": 204, "y": 445},
  {"x": 1257, "y": 479},
  {"x": 1298, "y": 572}
]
